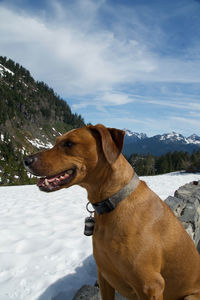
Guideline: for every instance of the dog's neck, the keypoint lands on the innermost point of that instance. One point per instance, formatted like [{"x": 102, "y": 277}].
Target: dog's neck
[{"x": 109, "y": 180}]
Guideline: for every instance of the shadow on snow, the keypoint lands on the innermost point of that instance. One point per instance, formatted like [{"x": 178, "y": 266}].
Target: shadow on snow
[{"x": 66, "y": 287}]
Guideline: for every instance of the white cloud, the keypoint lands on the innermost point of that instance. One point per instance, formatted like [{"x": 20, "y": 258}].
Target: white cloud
[
  {"x": 175, "y": 103},
  {"x": 77, "y": 60},
  {"x": 71, "y": 49},
  {"x": 105, "y": 99},
  {"x": 187, "y": 120},
  {"x": 72, "y": 59}
]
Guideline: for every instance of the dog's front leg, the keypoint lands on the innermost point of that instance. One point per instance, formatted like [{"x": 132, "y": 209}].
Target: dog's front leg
[
  {"x": 107, "y": 291},
  {"x": 151, "y": 287}
]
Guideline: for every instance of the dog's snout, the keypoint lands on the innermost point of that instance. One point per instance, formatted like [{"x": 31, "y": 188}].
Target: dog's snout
[{"x": 29, "y": 160}]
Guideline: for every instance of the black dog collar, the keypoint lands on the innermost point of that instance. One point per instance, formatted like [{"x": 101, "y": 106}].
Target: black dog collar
[{"x": 111, "y": 203}]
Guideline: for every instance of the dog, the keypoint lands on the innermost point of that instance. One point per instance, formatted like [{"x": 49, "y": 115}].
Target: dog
[{"x": 140, "y": 247}]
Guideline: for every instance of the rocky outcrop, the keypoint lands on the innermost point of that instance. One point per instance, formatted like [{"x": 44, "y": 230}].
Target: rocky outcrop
[
  {"x": 186, "y": 206},
  {"x": 88, "y": 292}
]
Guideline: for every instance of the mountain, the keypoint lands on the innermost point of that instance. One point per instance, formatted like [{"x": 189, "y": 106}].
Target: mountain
[
  {"x": 32, "y": 115},
  {"x": 158, "y": 145},
  {"x": 194, "y": 139},
  {"x": 133, "y": 136}
]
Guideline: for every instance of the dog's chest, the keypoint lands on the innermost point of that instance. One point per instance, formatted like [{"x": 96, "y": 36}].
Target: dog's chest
[
  {"x": 110, "y": 248},
  {"x": 111, "y": 260}
]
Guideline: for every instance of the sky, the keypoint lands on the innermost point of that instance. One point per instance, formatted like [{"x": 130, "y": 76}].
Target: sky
[{"x": 131, "y": 64}]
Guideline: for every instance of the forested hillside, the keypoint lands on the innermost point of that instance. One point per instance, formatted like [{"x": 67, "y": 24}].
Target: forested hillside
[{"x": 31, "y": 116}]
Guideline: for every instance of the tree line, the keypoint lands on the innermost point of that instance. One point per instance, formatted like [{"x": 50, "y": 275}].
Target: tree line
[
  {"x": 12, "y": 170},
  {"x": 170, "y": 162}
]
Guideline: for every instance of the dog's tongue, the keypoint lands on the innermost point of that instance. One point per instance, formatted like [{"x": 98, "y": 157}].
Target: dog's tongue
[{"x": 54, "y": 179}]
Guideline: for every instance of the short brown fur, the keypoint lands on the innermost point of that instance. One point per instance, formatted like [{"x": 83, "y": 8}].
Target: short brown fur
[{"x": 140, "y": 248}]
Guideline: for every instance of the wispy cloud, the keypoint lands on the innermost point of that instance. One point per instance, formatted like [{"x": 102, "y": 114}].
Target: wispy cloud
[
  {"x": 106, "y": 99},
  {"x": 187, "y": 120},
  {"x": 174, "y": 103},
  {"x": 76, "y": 60},
  {"x": 101, "y": 55},
  {"x": 79, "y": 61}
]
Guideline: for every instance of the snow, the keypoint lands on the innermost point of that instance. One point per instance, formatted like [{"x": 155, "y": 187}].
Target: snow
[
  {"x": 23, "y": 150},
  {"x": 43, "y": 252},
  {"x": 136, "y": 134},
  {"x": 39, "y": 144},
  {"x": 173, "y": 136},
  {"x": 194, "y": 139},
  {"x": 166, "y": 184},
  {"x": 4, "y": 69}
]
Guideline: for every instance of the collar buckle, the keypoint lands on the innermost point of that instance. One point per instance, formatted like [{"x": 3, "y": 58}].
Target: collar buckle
[
  {"x": 110, "y": 204},
  {"x": 104, "y": 207}
]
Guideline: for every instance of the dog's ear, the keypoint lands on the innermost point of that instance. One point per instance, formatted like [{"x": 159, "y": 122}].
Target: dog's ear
[{"x": 112, "y": 141}]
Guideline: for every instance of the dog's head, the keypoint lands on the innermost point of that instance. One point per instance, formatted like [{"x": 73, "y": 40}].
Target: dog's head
[{"x": 76, "y": 156}]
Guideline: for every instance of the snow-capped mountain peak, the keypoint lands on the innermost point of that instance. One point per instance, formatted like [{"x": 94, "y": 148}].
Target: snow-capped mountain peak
[
  {"x": 173, "y": 136},
  {"x": 177, "y": 137},
  {"x": 194, "y": 139},
  {"x": 140, "y": 136},
  {"x": 159, "y": 144},
  {"x": 194, "y": 136}
]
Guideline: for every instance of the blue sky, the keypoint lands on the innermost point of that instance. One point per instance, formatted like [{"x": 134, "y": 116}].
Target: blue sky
[{"x": 125, "y": 63}]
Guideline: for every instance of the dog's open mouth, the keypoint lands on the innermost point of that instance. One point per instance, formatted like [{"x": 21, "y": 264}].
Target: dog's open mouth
[{"x": 53, "y": 183}]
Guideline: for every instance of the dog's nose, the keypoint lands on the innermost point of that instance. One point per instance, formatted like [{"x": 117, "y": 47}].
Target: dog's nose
[{"x": 29, "y": 160}]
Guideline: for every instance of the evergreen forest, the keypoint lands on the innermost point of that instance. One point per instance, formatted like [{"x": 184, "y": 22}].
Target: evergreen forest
[{"x": 170, "y": 162}]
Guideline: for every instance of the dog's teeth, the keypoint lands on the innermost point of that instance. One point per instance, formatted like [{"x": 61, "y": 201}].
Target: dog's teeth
[
  {"x": 62, "y": 177},
  {"x": 57, "y": 179},
  {"x": 46, "y": 182},
  {"x": 69, "y": 172}
]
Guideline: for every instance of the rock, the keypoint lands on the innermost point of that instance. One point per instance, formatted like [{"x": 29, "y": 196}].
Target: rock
[
  {"x": 92, "y": 293},
  {"x": 176, "y": 205},
  {"x": 189, "y": 192},
  {"x": 87, "y": 292},
  {"x": 186, "y": 206}
]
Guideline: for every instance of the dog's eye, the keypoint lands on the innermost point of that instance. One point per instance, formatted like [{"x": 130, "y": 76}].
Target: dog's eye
[{"x": 68, "y": 144}]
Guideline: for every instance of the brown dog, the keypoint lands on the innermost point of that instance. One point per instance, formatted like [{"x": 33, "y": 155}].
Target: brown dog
[{"x": 140, "y": 247}]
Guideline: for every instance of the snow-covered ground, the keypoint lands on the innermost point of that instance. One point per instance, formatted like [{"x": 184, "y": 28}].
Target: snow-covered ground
[{"x": 43, "y": 252}]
